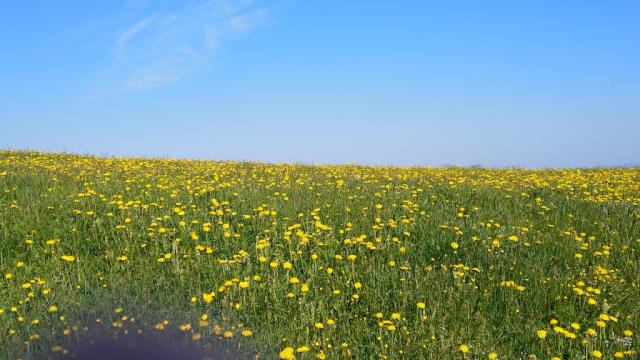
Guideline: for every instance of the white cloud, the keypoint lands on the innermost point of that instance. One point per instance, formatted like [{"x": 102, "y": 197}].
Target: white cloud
[
  {"x": 158, "y": 49},
  {"x": 151, "y": 77},
  {"x": 143, "y": 79},
  {"x": 244, "y": 22},
  {"x": 211, "y": 38},
  {"x": 130, "y": 32}
]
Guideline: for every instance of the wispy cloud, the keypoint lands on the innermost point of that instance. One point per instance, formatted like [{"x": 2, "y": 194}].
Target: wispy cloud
[
  {"x": 162, "y": 45},
  {"x": 247, "y": 21},
  {"x": 126, "y": 35}
]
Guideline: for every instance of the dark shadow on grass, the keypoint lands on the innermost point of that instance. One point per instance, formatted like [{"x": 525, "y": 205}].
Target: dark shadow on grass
[{"x": 142, "y": 347}]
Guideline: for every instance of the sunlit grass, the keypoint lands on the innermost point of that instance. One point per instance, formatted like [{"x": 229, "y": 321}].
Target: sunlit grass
[{"x": 319, "y": 261}]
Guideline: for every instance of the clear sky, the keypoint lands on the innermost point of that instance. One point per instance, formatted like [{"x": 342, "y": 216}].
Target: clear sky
[{"x": 496, "y": 83}]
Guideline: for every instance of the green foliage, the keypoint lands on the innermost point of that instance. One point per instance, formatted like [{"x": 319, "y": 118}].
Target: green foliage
[{"x": 335, "y": 261}]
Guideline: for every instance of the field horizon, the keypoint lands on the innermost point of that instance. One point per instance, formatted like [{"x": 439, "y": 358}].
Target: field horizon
[{"x": 101, "y": 155}]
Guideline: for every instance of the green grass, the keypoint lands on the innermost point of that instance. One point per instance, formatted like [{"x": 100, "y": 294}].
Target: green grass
[{"x": 400, "y": 223}]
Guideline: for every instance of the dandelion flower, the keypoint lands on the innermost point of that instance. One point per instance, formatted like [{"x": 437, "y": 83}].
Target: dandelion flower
[
  {"x": 287, "y": 354},
  {"x": 302, "y": 349}
]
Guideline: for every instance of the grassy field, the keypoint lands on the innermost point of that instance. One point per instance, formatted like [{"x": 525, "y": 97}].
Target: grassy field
[{"x": 309, "y": 262}]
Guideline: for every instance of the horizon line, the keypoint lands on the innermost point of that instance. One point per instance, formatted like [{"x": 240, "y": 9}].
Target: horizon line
[{"x": 312, "y": 164}]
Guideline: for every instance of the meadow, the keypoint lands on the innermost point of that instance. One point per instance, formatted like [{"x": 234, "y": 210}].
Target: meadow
[{"x": 319, "y": 262}]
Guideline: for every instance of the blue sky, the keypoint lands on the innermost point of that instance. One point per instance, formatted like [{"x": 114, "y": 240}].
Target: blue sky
[{"x": 495, "y": 83}]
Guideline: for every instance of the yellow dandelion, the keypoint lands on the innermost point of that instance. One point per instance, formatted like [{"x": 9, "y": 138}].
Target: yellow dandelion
[{"x": 287, "y": 353}]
